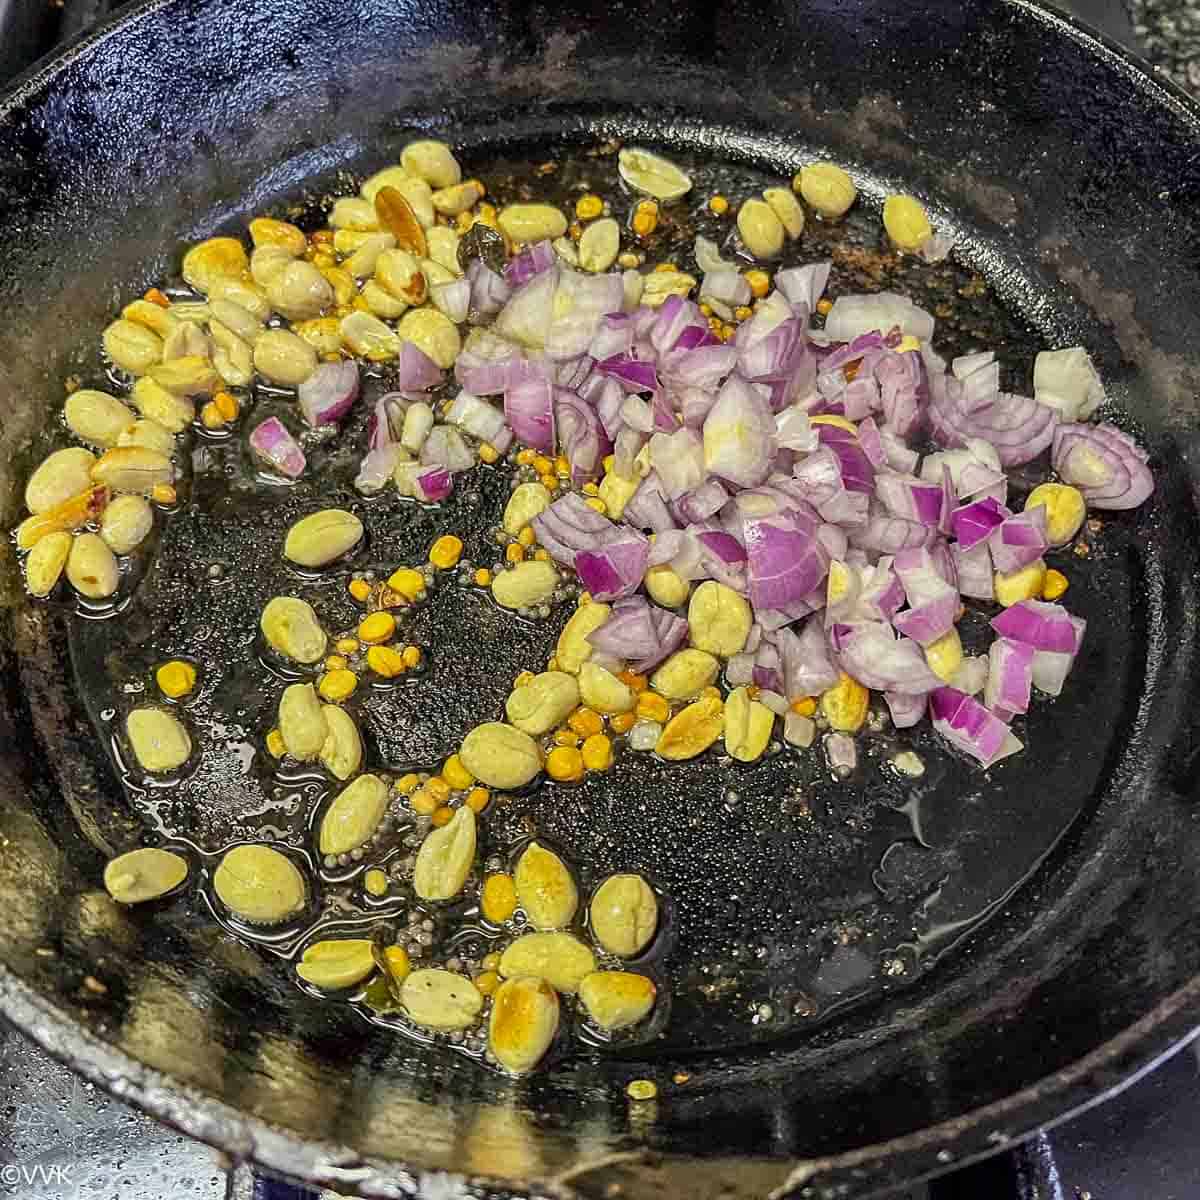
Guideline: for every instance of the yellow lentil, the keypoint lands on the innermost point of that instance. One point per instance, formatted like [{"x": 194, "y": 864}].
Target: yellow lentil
[
  {"x": 488, "y": 453},
  {"x": 760, "y": 283},
  {"x": 455, "y": 774},
  {"x": 483, "y": 577},
  {"x": 588, "y": 207},
  {"x": 375, "y": 882},
  {"x": 490, "y": 962},
  {"x": 644, "y": 223},
  {"x": 360, "y": 589},
  {"x": 642, "y": 1089},
  {"x": 335, "y": 662},
  {"x": 565, "y": 764},
  {"x": 743, "y": 313},
  {"x": 542, "y": 555},
  {"x": 527, "y": 537},
  {"x": 566, "y": 737},
  {"x": 525, "y": 457},
  {"x": 424, "y": 802},
  {"x": 227, "y": 405},
  {"x": 446, "y": 551},
  {"x": 597, "y": 505},
  {"x": 442, "y": 816},
  {"x": 477, "y": 799},
  {"x": 486, "y": 982},
  {"x": 437, "y": 786},
  {"x": 1054, "y": 585},
  {"x": 634, "y": 681},
  {"x": 157, "y": 297},
  {"x": 378, "y": 627},
  {"x": 346, "y": 645},
  {"x": 514, "y": 552},
  {"x": 549, "y": 482},
  {"x": 337, "y": 685},
  {"x": 176, "y": 678},
  {"x": 805, "y": 706},
  {"x": 275, "y": 744},
  {"x": 397, "y": 959},
  {"x": 585, "y": 722},
  {"x": 411, "y": 656},
  {"x": 385, "y": 662},
  {"x": 408, "y": 783},
  {"x": 562, "y": 465},
  {"x": 498, "y": 900},
  {"x": 597, "y": 753},
  {"x": 210, "y": 416},
  {"x": 718, "y": 204},
  {"x": 652, "y": 707},
  {"x": 622, "y": 722},
  {"x": 824, "y": 307},
  {"x": 163, "y": 493}
]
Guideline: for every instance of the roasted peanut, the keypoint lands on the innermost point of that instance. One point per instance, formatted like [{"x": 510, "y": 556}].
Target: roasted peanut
[
  {"x": 545, "y": 888},
  {"x": 624, "y": 914},
  {"x": 446, "y": 857},
  {"x": 158, "y": 740},
  {"x": 354, "y": 814}
]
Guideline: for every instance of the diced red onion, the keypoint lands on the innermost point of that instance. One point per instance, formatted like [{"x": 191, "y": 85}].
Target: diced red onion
[
  {"x": 376, "y": 468},
  {"x": 976, "y": 576},
  {"x": 933, "y": 603},
  {"x": 841, "y": 753},
  {"x": 967, "y": 724},
  {"x": 434, "y": 484},
  {"x": 1042, "y": 625},
  {"x": 527, "y": 317},
  {"x": 804, "y": 285},
  {"x": 633, "y": 374},
  {"x": 415, "y": 371},
  {"x": 617, "y": 569},
  {"x": 767, "y": 668},
  {"x": 1020, "y": 540},
  {"x": 909, "y": 497},
  {"x": 581, "y": 437},
  {"x": 627, "y": 445},
  {"x": 971, "y": 675},
  {"x": 328, "y": 394},
  {"x": 387, "y": 420},
  {"x": 701, "y": 367},
  {"x": 739, "y": 670},
  {"x": 906, "y": 708},
  {"x": 739, "y": 435},
  {"x": 1017, "y": 426},
  {"x": 569, "y": 525},
  {"x": 899, "y": 456},
  {"x": 889, "y": 534},
  {"x": 647, "y": 508},
  {"x": 852, "y": 315},
  {"x": 807, "y": 667},
  {"x": 1010, "y": 677},
  {"x": 694, "y": 405},
  {"x": 701, "y": 503},
  {"x": 275, "y": 446},
  {"x": 726, "y": 285},
  {"x": 444, "y": 447},
  {"x": 529, "y": 412},
  {"x": 678, "y": 460},
  {"x": 871, "y": 653},
  {"x": 488, "y": 365},
  {"x": 976, "y": 522},
  {"x": 1067, "y": 381},
  {"x": 533, "y": 260},
  {"x": 452, "y": 299},
  {"x": 638, "y": 631},
  {"x": 479, "y": 418},
  {"x": 674, "y": 316},
  {"x": 489, "y": 292},
  {"x": 1106, "y": 465},
  {"x": 613, "y": 337}
]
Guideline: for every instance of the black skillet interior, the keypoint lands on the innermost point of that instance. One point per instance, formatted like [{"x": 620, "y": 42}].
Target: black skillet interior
[{"x": 1070, "y": 182}]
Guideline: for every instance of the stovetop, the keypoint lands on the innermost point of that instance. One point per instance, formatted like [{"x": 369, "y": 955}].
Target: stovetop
[{"x": 64, "y": 1139}]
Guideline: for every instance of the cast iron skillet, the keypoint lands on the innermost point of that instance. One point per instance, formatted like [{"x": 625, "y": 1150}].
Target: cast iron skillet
[{"x": 1071, "y": 178}]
